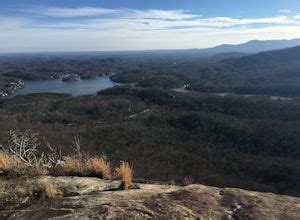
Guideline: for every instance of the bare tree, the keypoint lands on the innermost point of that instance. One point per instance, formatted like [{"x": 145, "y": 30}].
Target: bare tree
[
  {"x": 52, "y": 157},
  {"x": 24, "y": 145},
  {"x": 77, "y": 146}
]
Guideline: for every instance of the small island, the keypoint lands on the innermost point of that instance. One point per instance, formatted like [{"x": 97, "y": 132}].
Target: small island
[{"x": 70, "y": 77}]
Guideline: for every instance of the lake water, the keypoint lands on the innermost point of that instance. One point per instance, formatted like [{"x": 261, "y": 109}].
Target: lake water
[{"x": 75, "y": 88}]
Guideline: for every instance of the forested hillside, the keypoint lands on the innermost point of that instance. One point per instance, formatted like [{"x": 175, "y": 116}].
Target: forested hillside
[
  {"x": 268, "y": 73},
  {"x": 204, "y": 132},
  {"x": 282, "y": 64},
  {"x": 241, "y": 142}
]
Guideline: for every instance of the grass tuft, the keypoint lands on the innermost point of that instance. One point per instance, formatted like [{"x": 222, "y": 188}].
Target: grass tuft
[
  {"x": 5, "y": 161},
  {"x": 49, "y": 189},
  {"x": 73, "y": 166},
  {"x": 39, "y": 169},
  {"x": 10, "y": 163},
  {"x": 189, "y": 180},
  {"x": 99, "y": 166},
  {"x": 125, "y": 173}
]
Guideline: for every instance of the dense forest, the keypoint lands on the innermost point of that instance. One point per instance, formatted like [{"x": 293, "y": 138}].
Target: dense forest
[
  {"x": 250, "y": 143},
  {"x": 246, "y": 141}
]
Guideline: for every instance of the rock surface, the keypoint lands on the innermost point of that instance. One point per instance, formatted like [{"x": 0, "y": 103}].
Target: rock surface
[{"x": 88, "y": 198}]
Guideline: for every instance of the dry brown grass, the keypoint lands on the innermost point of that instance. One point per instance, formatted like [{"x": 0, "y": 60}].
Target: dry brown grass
[
  {"x": 73, "y": 166},
  {"x": 14, "y": 165},
  {"x": 22, "y": 157},
  {"x": 49, "y": 189},
  {"x": 5, "y": 161},
  {"x": 10, "y": 163},
  {"x": 21, "y": 190},
  {"x": 125, "y": 173},
  {"x": 39, "y": 169},
  {"x": 189, "y": 180},
  {"x": 99, "y": 166},
  {"x": 16, "y": 191}
]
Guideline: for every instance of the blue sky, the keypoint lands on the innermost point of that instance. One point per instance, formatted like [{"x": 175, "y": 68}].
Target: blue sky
[{"x": 89, "y": 25}]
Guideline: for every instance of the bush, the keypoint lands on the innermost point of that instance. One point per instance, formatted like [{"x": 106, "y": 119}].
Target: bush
[
  {"x": 73, "y": 166},
  {"x": 97, "y": 166},
  {"x": 100, "y": 166},
  {"x": 11, "y": 164},
  {"x": 14, "y": 160},
  {"x": 125, "y": 173}
]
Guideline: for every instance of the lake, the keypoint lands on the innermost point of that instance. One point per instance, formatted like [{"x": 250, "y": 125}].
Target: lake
[{"x": 75, "y": 88}]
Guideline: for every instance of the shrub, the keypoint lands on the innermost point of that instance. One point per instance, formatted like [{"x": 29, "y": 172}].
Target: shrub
[
  {"x": 99, "y": 166},
  {"x": 15, "y": 159},
  {"x": 188, "y": 180},
  {"x": 23, "y": 145},
  {"x": 10, "y": 163},
  {"x": 5, "y": 161},
  {"x": 125, "y": 173},
  {"x": 39, "y": 168},
  {"x": 74, "y": 166}
]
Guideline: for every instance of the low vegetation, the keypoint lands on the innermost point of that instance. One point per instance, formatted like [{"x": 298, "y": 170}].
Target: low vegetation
[
  {"x": 100, "y": 166},
  {"x": 10, "y": 163},
  {"x": 125, "y": 173},
  {"x": 48, "y": 189},
  {"x": 15, "y": 160},
  {"x": 249, "y": 143},
  {"x": 243, "y": 141}
]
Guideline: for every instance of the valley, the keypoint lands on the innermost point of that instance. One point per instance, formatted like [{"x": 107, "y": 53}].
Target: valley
[
  {"x": 234, "y": 123},
  {"x": 164, "y": 109}
]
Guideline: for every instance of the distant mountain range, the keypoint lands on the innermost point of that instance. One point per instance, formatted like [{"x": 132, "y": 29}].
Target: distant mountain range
[
  {"x": 220, "y": 52},
  {"x": 217, "y": 53},
  {"x": 274, "y": 72},
  {"x": 254, "y": 46},
  {"x": 281, "y": 63}
]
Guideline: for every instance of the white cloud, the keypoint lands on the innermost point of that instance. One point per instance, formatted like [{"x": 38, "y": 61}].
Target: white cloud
[
  {"x": 161, "y": 14},
  {"x": 297, "y": 16},
  {"x": 69, "y": 12},
  {"x": 145, "y": 23},
  {"x": 123, "y": 29},
  {"x": 96, "y": 11}
]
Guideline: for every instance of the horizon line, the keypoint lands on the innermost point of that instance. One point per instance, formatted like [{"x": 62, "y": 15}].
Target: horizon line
[{"x": 136, "y": 50}]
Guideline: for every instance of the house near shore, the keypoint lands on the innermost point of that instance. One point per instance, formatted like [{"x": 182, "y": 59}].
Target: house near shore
[{"x": 70, "y": 77}]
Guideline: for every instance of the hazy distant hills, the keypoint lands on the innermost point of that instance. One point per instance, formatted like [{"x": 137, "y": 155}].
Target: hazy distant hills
[
  {"x": 254, "y": 46},
  {"x": 220, "y": 52},
  {"x": 274, "y": 73},
  {"x": 281, "y": 63},
  {"x": 228, "y": 51},
  {"x": 217, "y": 53}
]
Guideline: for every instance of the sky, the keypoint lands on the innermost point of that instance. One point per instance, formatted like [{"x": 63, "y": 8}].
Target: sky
[{"x": 100, "y": 25}]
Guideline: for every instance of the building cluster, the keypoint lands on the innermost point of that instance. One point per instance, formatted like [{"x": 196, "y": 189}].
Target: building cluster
[
  {"x": 10, "y": 87},
  {"x": 71, "y": 77}
]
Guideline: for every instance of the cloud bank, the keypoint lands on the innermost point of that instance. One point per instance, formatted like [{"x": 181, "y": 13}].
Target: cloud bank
[{"x": 94, "y": 28}]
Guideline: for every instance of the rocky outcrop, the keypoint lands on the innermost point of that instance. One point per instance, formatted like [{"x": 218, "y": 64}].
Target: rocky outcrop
[{"x": 85, "y": 198}]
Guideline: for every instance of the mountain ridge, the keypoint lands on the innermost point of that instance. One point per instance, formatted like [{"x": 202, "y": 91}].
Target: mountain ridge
[
  {"x": 249, "y": 47},
  {"x": 280, "y": 62},
  {"x": 254, "y": 46}
]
